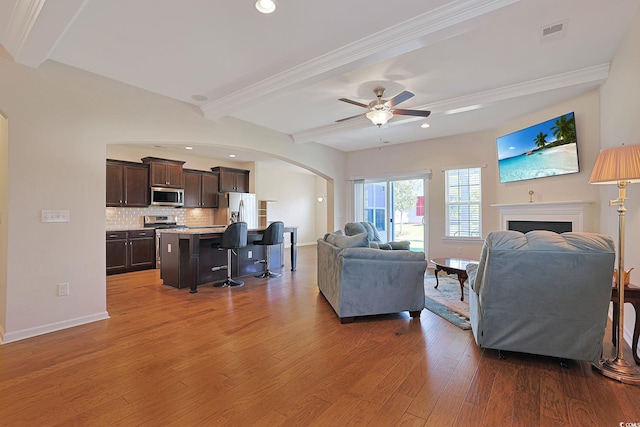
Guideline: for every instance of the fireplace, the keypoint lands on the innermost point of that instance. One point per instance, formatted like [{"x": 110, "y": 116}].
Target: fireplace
[
  {"x": 554, "y": 216},
  {"x": 526, "y": 226}
]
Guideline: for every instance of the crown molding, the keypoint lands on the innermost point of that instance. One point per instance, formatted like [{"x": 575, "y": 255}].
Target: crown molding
[
  {"x": 24, "y": 16},
  {"x": 590, "y": 75},
  {"x": 381, "y": 45},
  {"x": 35, "y": 29}
]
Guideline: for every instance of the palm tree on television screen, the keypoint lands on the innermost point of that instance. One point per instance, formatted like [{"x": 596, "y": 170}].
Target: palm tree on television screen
[
  {"x": 565, "y": 129},
  {"x": 541, "y": 139}
]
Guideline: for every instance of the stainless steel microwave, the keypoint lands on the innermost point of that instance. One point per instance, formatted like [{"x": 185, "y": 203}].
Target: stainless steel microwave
[{"x": 161, "y": 196}]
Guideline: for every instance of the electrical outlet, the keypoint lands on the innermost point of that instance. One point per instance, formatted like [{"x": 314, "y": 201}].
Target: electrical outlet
[
  {"x": 249, "y": 254},
  {"x": 169, "y": 247},
  {"x": 63, "y": 289}
]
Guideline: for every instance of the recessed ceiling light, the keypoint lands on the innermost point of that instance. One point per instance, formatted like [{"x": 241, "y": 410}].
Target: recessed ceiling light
[
  {"x": 232, "y": 155},
  {"x": 265, "y": 6},
  {"x": 425, "y": 125},
  {"x": 188, "y": 148},
  {"x": 199, "y": 97}
]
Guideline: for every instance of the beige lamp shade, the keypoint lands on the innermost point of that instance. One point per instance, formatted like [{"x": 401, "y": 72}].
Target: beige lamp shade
[{"x": 617, "y": 164}]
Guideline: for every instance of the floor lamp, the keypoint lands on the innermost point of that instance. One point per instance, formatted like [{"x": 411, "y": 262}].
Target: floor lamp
[{"x": 620, "y": 166}]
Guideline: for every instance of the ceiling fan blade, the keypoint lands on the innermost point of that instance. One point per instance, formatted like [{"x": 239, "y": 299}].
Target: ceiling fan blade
[
  {"x": 349, "y": 118},
  {"x": 348, "y": 101},
  {"x": 419, "y": 113},
  {"x": 401, "y": 97}
]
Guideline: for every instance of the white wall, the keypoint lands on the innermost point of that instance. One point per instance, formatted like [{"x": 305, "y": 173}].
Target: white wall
[
  {"x": 620, "y": 113},
  {"x": 60, "y": 121},
  {"x": 479, "y": 148},
  {"x": 294, "y": 196},
  {"x": 4, "y": 223}
]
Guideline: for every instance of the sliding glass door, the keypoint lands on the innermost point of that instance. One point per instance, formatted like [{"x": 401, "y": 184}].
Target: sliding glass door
[{"x": 397, "y": 209}]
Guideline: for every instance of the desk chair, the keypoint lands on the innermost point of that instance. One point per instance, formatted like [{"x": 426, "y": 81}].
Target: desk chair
[
  {"x": 234, "y": 237},
  {"x": 273, "y": 235}
]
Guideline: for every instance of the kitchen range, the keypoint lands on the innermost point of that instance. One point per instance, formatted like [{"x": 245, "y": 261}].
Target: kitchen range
[{"x": 161, "y": 222}]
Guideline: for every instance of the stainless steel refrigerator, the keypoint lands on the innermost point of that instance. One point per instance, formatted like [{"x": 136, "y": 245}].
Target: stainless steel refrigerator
[{"x": 244, "y": 207}]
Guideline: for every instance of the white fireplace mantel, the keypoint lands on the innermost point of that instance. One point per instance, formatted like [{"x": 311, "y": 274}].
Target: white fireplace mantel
[{"x": 570, "y": 211}]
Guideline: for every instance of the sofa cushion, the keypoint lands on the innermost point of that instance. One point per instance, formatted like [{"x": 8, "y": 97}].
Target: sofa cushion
[
  {"x": 353, "y": 228},
  {"x": 358, "y": 241},
  {"x": 400, "y": 245},
  {"x": 370, "y": 231},
  {"x": 337, "y": 233},
  {"x": 373, "y": 231}
]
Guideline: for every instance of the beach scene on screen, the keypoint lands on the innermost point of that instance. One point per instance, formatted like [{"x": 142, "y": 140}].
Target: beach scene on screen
[{"x": 547, "y": 149}]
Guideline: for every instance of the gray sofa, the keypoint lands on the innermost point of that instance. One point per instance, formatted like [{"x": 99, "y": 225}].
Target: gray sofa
[
  {"x": 542, "y": 293},
  {"x": 358, "y": 280}
]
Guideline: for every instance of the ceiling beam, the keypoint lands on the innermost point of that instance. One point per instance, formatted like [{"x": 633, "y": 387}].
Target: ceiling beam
[
  {"x": 595, "y": 75},
  {"x": 399, "y": 39}
]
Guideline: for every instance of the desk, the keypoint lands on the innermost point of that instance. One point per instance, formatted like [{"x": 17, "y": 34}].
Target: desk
[
  {"x": 455, "y": 266},
  {"x": 632, "y": 296}
]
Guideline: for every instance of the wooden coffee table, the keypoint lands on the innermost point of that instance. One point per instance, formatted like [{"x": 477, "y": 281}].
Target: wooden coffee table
[{"x": 455, "y": 266}]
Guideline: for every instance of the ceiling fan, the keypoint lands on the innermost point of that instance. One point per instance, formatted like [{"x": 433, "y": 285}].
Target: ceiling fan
[{"x": 381, "y": 110}]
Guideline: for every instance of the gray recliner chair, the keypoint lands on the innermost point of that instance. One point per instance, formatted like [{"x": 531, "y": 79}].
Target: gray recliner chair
[
  {"x": 353, "y": 228},
  {"x": 542, "y": 293}
]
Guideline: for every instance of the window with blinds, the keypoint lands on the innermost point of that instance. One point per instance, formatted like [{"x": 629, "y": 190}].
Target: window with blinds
[{"x": 463, "y": 202}]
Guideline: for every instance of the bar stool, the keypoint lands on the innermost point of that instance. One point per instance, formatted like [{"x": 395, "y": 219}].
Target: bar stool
[
  {"x": 273, "y": 235},
  {"x": 234, "y": 237}
]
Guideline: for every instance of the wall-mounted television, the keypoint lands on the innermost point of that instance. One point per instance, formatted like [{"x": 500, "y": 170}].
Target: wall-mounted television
[{"x": 547, "y": 149}]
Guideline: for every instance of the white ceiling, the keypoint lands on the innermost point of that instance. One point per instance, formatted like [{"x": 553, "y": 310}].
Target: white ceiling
[{"x": 286, "y": 71}]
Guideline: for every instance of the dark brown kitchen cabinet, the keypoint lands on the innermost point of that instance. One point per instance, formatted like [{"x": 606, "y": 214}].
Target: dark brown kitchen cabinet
[
  {"x": 165, "y": 173},
  {"x": 127, "y": 184},
  {"x": 200, "y": 189},
  {"x": 116, "y": 252},
  {"x": 232, "y": 180},
  {"x": 130, "y": 250}
]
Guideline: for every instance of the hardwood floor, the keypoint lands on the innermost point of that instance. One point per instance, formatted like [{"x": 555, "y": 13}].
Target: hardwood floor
[{"x": 273, "y": 353}]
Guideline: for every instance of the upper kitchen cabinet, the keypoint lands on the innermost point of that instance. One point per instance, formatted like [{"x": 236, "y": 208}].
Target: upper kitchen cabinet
[
  {"x": 165, "y": 173},
  {"x": 200, "y": 189},
  {"x": 127, "y": 184},
  {"x": 232, "y": 180}
]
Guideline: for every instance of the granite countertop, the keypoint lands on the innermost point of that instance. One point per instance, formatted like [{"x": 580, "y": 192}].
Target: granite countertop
[
  {"x": 196, "y": 230},
  {"x": 124, "y": 228},
  {"x": 179, "y": 227}
]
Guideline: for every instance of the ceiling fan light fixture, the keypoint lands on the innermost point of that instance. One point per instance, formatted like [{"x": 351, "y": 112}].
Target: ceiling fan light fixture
[
  {"x": 379, "y": 117},
  {"x": 265, "y": 6}
]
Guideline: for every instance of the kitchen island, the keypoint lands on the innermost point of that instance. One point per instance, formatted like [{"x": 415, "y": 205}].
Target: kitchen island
[{"x": 188, "y": 255}]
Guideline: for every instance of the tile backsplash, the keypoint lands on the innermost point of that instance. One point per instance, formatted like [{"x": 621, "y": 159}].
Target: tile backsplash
[{"x": 132, "y": 218}]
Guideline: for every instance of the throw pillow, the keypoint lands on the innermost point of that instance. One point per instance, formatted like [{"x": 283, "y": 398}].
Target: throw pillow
[
  {"x": 353, "y": 228},
  {"x": 358, "y": 241},
  {"x": 370, "y": 231},
  {"x": 374, "y": 231}
]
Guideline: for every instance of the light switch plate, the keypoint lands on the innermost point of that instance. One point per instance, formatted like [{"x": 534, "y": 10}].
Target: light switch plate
[{"x": 54, "y": 216}]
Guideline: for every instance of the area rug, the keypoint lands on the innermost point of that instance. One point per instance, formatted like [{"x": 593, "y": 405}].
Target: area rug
[{"x": 445, "y": 301}]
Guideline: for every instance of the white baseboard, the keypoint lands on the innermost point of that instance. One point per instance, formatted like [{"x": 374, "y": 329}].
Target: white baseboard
[{"x": 6, "y": 338}]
